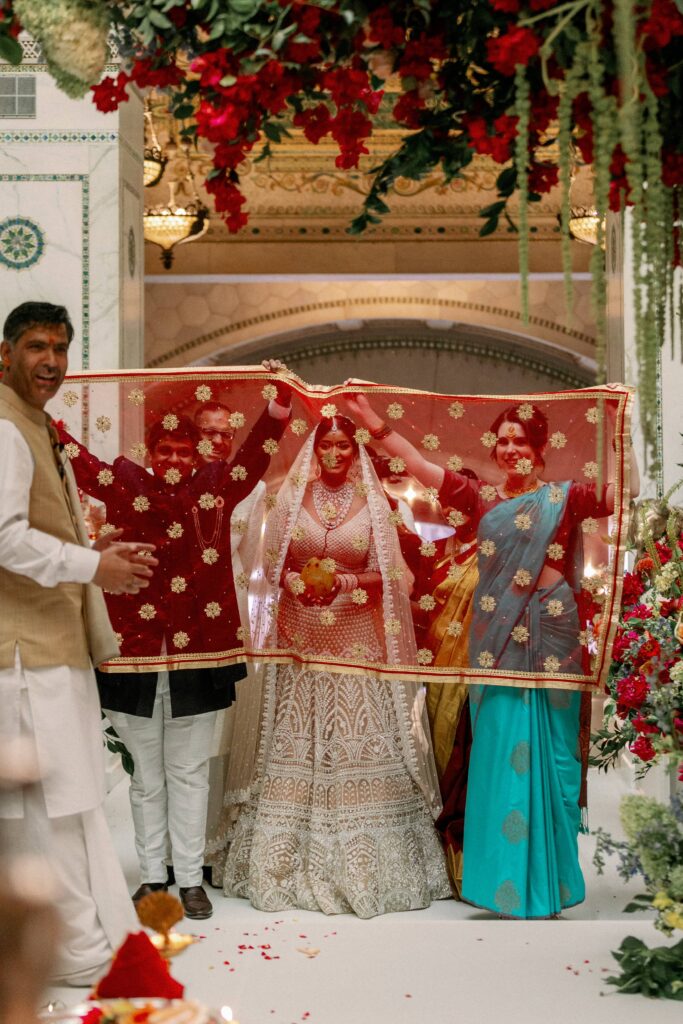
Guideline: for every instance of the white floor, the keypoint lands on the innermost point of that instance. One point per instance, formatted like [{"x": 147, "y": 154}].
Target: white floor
[{"x": 449, "y": 964}]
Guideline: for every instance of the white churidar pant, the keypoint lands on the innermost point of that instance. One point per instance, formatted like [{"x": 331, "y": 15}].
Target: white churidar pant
[{"x": 169, "y": 789}]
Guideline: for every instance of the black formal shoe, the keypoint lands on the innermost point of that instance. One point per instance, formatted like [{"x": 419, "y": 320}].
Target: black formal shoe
[
  {"x": 196, "y": 903},
  {"x": 146, "y": 888}
]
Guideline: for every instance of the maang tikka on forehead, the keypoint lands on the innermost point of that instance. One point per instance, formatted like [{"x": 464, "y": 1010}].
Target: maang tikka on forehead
[{"x": 511, "y": 432}]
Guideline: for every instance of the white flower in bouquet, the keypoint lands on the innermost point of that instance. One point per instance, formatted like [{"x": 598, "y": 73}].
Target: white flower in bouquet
[{"x": 73, "y": 36}]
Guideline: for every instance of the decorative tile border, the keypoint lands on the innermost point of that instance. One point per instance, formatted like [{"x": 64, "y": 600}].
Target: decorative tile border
[
  {"x": 85, "y": 244},
  {"x": 38, "y": 135}
]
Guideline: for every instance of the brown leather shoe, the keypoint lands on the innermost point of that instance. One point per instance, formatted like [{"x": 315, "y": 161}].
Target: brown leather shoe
[
  {"x": 196, "y": 903},
  {"x": 146, "y": 888}
]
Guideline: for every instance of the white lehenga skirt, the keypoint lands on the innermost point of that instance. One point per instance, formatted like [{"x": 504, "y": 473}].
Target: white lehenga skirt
[{"x": 336, "y": 822}]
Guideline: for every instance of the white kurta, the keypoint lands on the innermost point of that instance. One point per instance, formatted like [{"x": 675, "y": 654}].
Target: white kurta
[{"x": 57, "y": 709}]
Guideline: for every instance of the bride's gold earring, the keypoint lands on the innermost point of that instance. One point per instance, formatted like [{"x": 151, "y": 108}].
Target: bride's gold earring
[{"x": 318, "y": 471}]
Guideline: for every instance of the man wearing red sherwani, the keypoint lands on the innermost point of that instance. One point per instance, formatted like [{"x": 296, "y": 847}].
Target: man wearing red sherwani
[{"x": 167, "y": 718}]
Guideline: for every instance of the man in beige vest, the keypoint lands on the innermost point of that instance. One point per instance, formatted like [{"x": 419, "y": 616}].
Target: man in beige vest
[{"x": 53, "y": 628}]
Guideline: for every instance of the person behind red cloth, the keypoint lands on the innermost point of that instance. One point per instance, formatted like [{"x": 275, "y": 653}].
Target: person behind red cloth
[{"x": 167, "y": 718}]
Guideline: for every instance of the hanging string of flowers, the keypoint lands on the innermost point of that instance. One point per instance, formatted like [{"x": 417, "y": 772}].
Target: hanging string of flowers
[{"x": 603, "y": 77}]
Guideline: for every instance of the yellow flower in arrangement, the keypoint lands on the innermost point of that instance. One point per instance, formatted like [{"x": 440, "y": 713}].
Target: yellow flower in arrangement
[
  {"x": 138, "y": 450},
  {"x": 328, "y": 411},
  {"x": 556, "y": 495},
  {"x": 178, "y": 584},
  {"x": 119, "y": 638},
  {"x": 589, "y": 525},
  {"x": 555, "y": 551},
  {"x": 105, "y": 477},
  {"x": 523, "y": 521},
  {"x": 431, "y": 495},
  {"x": 395, "y": 411},
  {"x": 488, "y": 492},
  {"x": 328, "y": 565},
  {"x": 430, "y": 442},
  {"x": 103, "y": 424},
  {"x": 180, "y": 639},
  {"x": 298, "y": 533},
  {"x": 360, "y": 543},
  {"x": 397, "y": 464},
  {"x": 456, "y": 410},
  {"x": 456, "y": 517},
  {"x": 136, "y": 396},
  {"x": 454, "y": 628},
  {"x": 590, "y": 470},
  {"x": 107, "y": 528},
  {"x": 205, "y": 447},
  {"x": 175, "y": 531},
  {"x": 424, "y": 656},
  {"x": 72, "y": 450},
  {"x": 486, "y": 659},
  {"x": 147, "y": 612},
  {"x": 203, "y": 393},
  {"x": 555, "y": 608},
  {"x": 269, "y": 392},
  {"x": 395, "y": 518},
  {"x": 212, "y": 610},
  {"x": 271, "y": 447},
  {"x": 395, "y": 572},
  {"x": 240, "y": 633},
  {"x": 170, "y": 421},
  {"x": 558, "y": 439},
  {"x": 270, "y": 501},
  {"x": 524, "y": 466},
  {"x": 298, "y": 427},
  {"x": 210, "y": 557},
  {"x": 551, "y": 664},
  {"x": 525, "y": 411},
  {"x": 327, "y": 617},
  {"x": 487, "y": 603},
  {"x": 359, "y": 596},
  {"x": 522, "y": 578},
  {"x": 238, "y": 473},
  {"x": 489, "y": 439},
  {"x": 361, "y": 489},
  {"x": 362, "y": 436},
  {"x": 428, "y": 548},
  {"x": 69, "y": 398},
  {"x": 392, "y": 627},
  {"x": 520, "y": 634},
  {"x": 241, "y": 579},
  {"x": 207, "y": 501},
  {"x": 427, "y": 603},
  {"x": 141, "y": 503},
  {"x": 455, "y": 463},
  {"x": 592, "y": 414},
  {"x": 172, "y": 476},
  {"x": 236, "y": 420},
  {"x": 297, "y": 586}
]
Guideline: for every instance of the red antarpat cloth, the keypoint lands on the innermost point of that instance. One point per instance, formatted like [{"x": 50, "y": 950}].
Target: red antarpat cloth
[{"x": 138, "y": 970}]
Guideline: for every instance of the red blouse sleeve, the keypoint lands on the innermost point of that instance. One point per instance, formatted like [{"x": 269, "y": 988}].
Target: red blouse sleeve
[
  {"x": 583, "y": 501},
  {"x": 459, "y": 491}
]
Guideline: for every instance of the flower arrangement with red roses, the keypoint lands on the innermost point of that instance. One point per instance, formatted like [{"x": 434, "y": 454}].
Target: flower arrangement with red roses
[
  {"x": 534, "y": 84},
  {"x": 644, "y": 712}
]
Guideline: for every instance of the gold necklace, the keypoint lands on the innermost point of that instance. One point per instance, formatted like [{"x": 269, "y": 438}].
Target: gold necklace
[{"x": 516, "y": 492}]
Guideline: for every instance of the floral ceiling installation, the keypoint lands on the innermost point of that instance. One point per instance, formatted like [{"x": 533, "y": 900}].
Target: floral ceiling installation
[{"x": 538, "y": 85}]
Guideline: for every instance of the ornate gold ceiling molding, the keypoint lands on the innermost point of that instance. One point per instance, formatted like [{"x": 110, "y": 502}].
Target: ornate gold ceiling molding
[{"x": 555, "y": 331}]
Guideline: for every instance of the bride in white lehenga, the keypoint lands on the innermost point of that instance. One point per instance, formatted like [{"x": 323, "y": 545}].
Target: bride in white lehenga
[{"x": 340, "y": 816}]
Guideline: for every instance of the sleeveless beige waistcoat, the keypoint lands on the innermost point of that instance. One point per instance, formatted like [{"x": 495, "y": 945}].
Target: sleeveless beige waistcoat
[{"x": 63, "y": 625}]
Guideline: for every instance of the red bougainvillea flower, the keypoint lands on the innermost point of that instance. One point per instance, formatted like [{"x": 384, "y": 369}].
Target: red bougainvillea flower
[
  {"x": 408, "y": 108},
  {"x": 515, "y": 47},
  {"x": 228, "y": 199},
  {"x": 147, "y": 73},
  {"x": 642, "y": 748},
  {"x": 419, "y": 54},
  {"x": 631, "y": 692},
  {"x": 506, "y": 6},
  {"x": 315, "y": 122},
  {"x": 110, "y": 92},
  {"x": 632, "y": 588},
  {"x": 349, "y": 128},
  {"x": 672, "y": 168},
  {"x": 543, "y": 177},
  {"x": 384, "y": 30},
  {"x": 308, "y": 22},
  {"x": 641, "y": 725},
  {"x": 497, "y": 145},
  {"x": 619, "y": 182},
  {"x": 665, "y": 22},
  {"x": 639, "y": 611}
]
